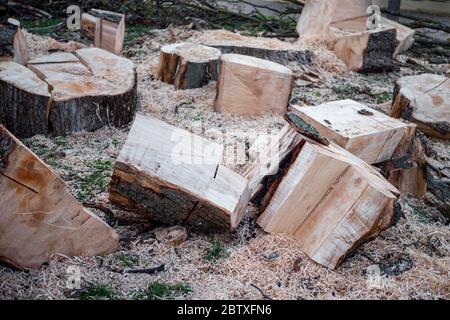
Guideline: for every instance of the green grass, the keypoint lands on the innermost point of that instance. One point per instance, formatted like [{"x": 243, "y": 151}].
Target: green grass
[
  {"x": 98, "y": 292},
  {"x": 100, "y": 170},
  {"x": 216, "y": 252},
  {"x": 162, "y": 290},
  {"x": 41, "y": 26},
  {"x": 126, "y": 260}
]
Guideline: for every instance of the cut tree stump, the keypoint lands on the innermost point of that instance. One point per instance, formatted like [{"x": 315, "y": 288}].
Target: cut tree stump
[
  {"x": 175, "y": 177},
  {"x": 365, "y": 132},
  {"x": 12, "y": 43},
  {"x": 252, "y": 86},
  {"x": 264, "y": 48},
  {"x": 38, "y": 217},
  {"x": 328, "y": 199},
  {"x": 64, "y": 93},
  {"x": 406, "y": 169},
  {"x": 106, "y": 28},
  {"x": 424, "y": 100},
  {"x": 187, "y": 65},
  {"x": 319, "y": 17}
]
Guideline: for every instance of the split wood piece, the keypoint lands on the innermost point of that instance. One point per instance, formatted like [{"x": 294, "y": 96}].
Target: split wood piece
[
  {"x": 264, "y": 48},
  {"x": 424, "y": 100},
  {"x": 365, "y": 132},
  {"x": 364, "y": 50},
  {"x": 67, "y": 93},
  {"x": 252, "y": 86},
  {"x": 176, "y": 177},
  {"x": 106, "y": 28},
  {"x": 331, "y": 201},
  {"x": 13, "y": 43},
  {"x": 187, "y": 65},
  {"x": 319, "y": 16},
  {"x": 406, "y": 170},
  {"x": 38, "y": 217}
]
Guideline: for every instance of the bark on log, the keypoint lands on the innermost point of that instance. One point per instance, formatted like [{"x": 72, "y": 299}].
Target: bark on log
[
  {"x": 67, "y": 93},
  {"x": 175, "y": 177},
  {"x": 330, "y": 200},
  {"x": 188, "y": 65},
  {"x": 252, "y": 86},
  {"x": 13, "y": 43},
  {"x": 38, "y": 216},
  {"x": 424, "y": 100},
  {"x": 365, "y": 132}
]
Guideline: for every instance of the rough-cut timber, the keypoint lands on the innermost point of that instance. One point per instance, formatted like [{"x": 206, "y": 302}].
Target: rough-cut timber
[
  {"x": 406, "y": 169},
  {"x": 364, "y": 50},
  {"x": 331, "y": 201},
  {"x": 106, "y": 28},
  {"x": 319, "y": 16},
  {"x": 64, "y": 93},
  {"x": 252, "y": 86},
  {"x": 12, "y": 42},
  {"x": 424, "y": 100},
  {"x": 175, "y": 177},
  {"x": 187, "y": 65},
  {"x": 264, "y": 48},
  {"x": 365, "y": 132},
  {"x": 38, "y": 217}
]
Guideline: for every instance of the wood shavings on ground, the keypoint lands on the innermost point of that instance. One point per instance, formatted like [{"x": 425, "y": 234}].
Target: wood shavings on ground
[{"x": 412, "y": 257}]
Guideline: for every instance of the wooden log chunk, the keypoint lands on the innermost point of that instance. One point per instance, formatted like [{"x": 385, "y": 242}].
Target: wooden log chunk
[
  {"x": 13, "y": 43},
  {"x": 252, "y": 86},
  {"x": 405, "y": 35},
  {"x": 38, "y": 217},
  {"x": 68, "y": 93},
  {"x": 175, "y": 177},
  {"x": 106, "y": 28},
  {"x": 365, "y": 132},
  {"x": 187, "y": 65},
  {"x": 264, "y": 48},
  {"x": 424, "y": 100},
  {"x": 331, "y": 201}
]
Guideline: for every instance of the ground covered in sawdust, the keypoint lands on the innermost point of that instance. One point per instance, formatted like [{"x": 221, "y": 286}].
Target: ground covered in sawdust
[{"x": 413, "y": 257}]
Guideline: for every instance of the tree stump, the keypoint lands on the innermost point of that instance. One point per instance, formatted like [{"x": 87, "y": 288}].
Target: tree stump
[
  {"x": 175, "y": 177},
  {"x": 188, "y": 65},
  {"x": 328, "y": 199},
  {"x": 252, "y": 86},
  {"x": 424, "y": 100},
  {"x": 65, "y": 93},
  {"x": 367, "y": 133},
  {"x": 38, "y": 216}
]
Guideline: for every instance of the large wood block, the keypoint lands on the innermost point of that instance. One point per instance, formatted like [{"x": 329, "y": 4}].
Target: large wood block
[
  {"x": 38, "y": 216},
  {"x": 176, "y": 177},
  {"x": 252, "y": 86},
  {"x": 367, "y": 133},
  {"x": 330, "y": 200},
  {"x": 424, "y": 100},
  {"x": 67, "y": 92}
]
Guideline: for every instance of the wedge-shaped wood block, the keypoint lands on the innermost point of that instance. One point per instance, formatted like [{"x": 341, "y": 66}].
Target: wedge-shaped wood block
[
  {"x": 331, "y": 201},
  {"x": 176, "y": 177},
  {"x": 38, "y": 216},
  {"x": 367, "y": 133},
  {"x": 252, "y": 86}
]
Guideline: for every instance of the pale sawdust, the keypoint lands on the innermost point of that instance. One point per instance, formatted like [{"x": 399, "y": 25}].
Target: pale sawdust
[{"x": 273, "y": 263}]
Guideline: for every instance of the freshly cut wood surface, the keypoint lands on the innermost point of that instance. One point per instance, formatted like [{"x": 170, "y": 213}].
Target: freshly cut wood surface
[
  {"x": 424, "y": 100},
  {"x": 85, "y": 90},
  {"x": 188, "y": 65},
  {"x": 365, "y": 132},
  {"x": 331, "y": 201},
  {"x": 175, "y": 177},
  {"x": 106, "y": 28},
  {"x": 252, "y": 86},
  {"x": 38, "y": 217}
]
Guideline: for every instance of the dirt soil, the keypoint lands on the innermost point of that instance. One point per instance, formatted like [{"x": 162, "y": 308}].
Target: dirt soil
[{"x": 412, "y": 257}]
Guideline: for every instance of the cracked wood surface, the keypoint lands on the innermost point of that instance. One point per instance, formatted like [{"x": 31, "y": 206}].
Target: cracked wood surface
[
  {"x": 175, "y": 177},
  {"x": 38, "y": 217},
  {"x": 67, "y": 92},
  {"x": 252, "y": 86}
]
